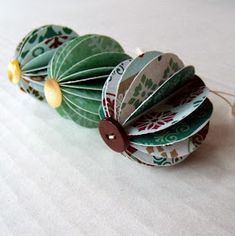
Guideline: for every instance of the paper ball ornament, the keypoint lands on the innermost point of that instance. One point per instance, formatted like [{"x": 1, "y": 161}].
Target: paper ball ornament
[
  {"x": 76, "y": 75},
  {"x": 154, "y": 110},
  {"x": 28, "y": 69}
]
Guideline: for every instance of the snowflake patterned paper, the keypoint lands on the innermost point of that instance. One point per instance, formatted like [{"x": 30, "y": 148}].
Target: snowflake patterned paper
[
  {"x": 28, "y": 69},
  {"x": 154, "y": 110},
  {"x": 76, "y": 76}
]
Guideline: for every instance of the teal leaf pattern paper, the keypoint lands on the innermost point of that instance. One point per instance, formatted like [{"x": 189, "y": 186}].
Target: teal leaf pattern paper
[
  {"x": 81, "y": 67},
  {"x": 83, "y": 49},
  {"x": 61, "y": 54},
  {"x": 100, "y": 60},
  {"x": 83, "y": 93},
  {"x": 75, "y": 116},
  {"x": 88, "y": 105}
]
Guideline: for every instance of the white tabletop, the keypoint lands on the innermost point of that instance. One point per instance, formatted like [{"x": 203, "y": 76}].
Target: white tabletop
[{"x": 57, "y": 178}]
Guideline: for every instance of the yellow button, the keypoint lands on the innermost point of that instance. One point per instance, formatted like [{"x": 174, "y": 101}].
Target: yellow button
[
  {"x": 53, "y": 93},
  {"x": 14, "y": 71}
]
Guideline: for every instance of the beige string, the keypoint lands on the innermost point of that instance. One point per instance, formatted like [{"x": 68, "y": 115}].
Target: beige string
[{"x": 219, "y": 94}]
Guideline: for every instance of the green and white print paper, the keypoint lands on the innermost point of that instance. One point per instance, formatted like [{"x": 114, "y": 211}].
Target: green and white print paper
[
  {"x": 161, "y": 105},
  {"x": 80, "y": 68},
  {"x": 35, "y": 51}
]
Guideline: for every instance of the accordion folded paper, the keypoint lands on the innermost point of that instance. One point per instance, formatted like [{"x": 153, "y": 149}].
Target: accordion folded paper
[
  {"x": 154, "y": 110},
  {"x": 28, "y": 69},
  {"x": 76, "y": 75}
]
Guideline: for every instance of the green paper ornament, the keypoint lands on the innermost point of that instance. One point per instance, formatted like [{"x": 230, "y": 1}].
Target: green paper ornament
[
  {"x": 154, "y": 109},
  {"x": 76, "y": 75},
  {"x": 28, "y": 68}
]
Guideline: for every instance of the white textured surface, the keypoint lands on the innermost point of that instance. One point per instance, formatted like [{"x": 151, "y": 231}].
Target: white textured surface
[{"x": 60, "y": 179}]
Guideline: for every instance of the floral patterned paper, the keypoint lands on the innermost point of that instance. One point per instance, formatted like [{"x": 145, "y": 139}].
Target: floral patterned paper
[{"x": 162, "y": 107}]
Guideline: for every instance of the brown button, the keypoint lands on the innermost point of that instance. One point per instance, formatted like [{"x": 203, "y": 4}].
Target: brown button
[{"x": 113, "y": 134}]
